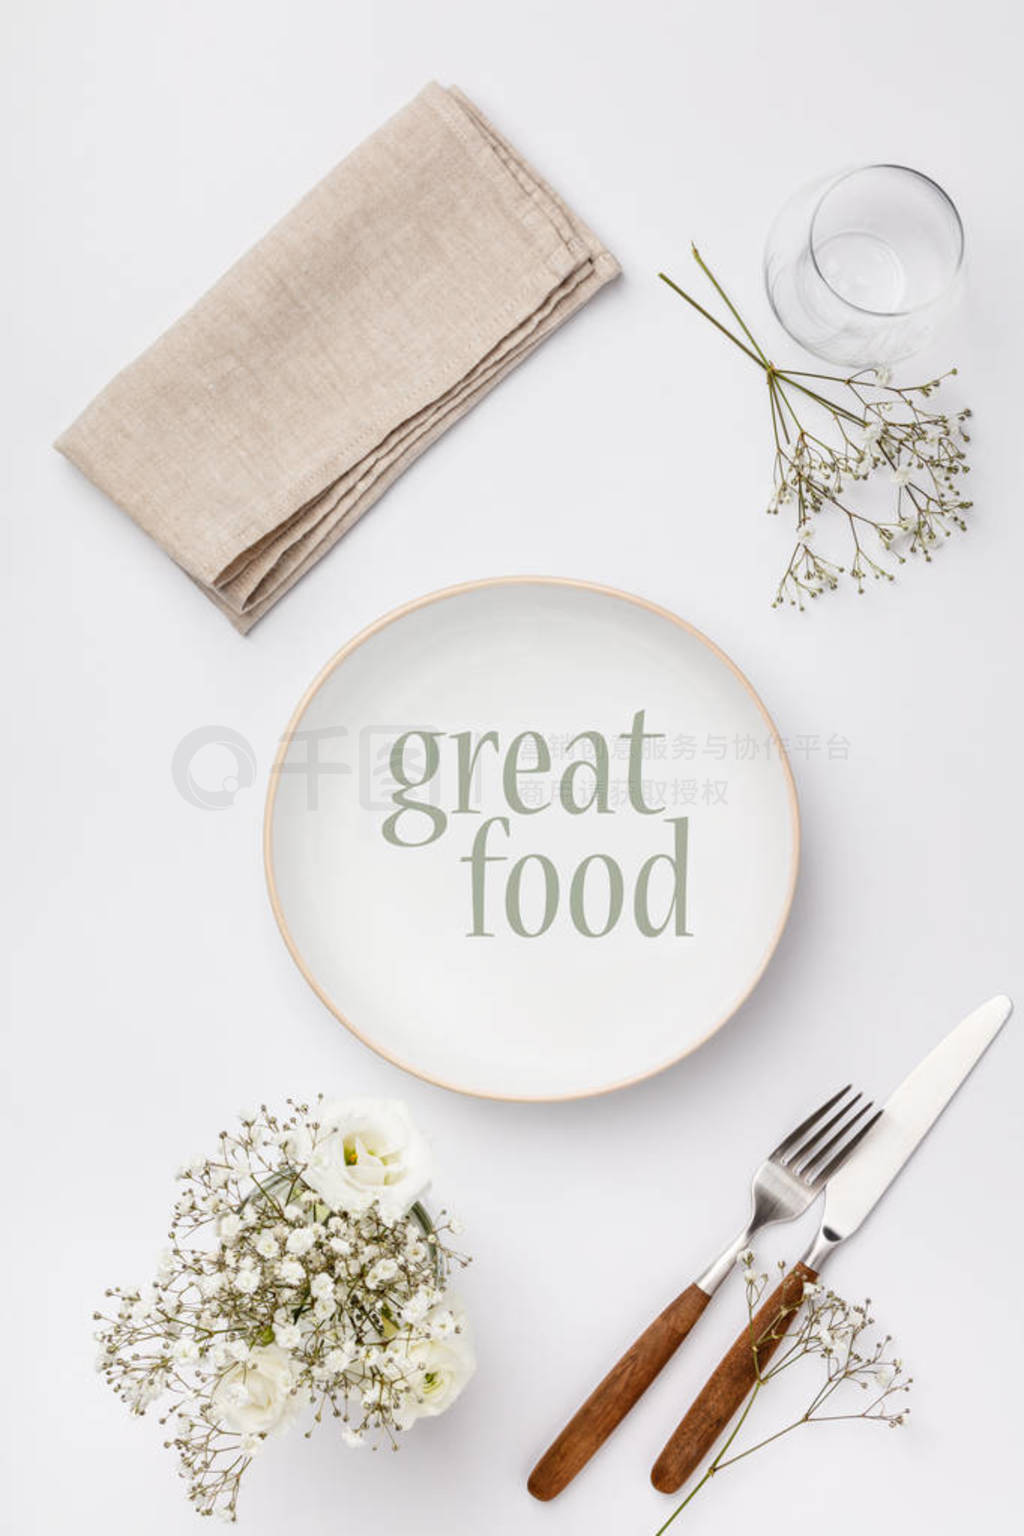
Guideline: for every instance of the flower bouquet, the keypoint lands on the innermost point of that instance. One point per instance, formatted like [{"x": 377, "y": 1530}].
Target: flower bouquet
[{"x": 303, "y": 1276}]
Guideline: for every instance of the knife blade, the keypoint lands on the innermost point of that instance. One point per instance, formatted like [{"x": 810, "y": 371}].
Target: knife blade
[{"x": 852, "y": 1193}]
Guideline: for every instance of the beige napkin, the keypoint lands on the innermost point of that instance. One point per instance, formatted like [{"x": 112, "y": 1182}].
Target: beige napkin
[{"x": 264, "y": 423}]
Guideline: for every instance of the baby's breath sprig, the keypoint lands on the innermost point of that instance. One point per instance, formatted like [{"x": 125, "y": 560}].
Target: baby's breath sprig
[
  {"x": 836, "y": 1336},
  {"x": 872, "y": 425},
  {"x": 303, "y": 1277}
]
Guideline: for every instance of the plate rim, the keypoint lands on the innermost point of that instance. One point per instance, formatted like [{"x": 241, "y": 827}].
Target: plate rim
[{"x": 439, "y": 595}]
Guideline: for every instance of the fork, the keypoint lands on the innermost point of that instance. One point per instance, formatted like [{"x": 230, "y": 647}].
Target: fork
[{"x": 784, "y": 1186}]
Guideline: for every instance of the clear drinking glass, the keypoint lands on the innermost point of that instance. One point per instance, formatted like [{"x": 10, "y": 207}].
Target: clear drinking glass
[{"x": 863, "y": 265}]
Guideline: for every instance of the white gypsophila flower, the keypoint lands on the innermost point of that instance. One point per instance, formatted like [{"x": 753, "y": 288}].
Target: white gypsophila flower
[
  {"x": 324, "y": 1307},
  {"x": 257, "y": 1396},
  {"x": 185, "y": 1351},
  {"x": 230, "y": 1226},
  {"x": 368, "y": 1151},
  {"x": 267, "y": 1246},
  {"x": 417, "y": 1307},
  {"x": 300, "y": 1241},
  {"x": 322, "y": 1285},
  {"x": 239, "y": 1350},
  {"x": 381, "y": 1272},
  {"x": 352, "y": 1437},
  {"x": 247, "y": 1280},
  {"x": 288, "y": 1335},
  {"x": 291, "y": 1271},
  {"x": 883, "y": 376},
  {"x": 340, "y": 1359},
  {"x": 805, "y": 532},
  {"x": 438, "y": 1369},
  {"x": 902, "y": 475}
]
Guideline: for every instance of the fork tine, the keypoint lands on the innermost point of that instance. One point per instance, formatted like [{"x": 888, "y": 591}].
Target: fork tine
[
  {"x": 802, "y": 1154},
  {"x": 805, "y": 1125},
  {"x": 822, "y": 1153},
  {"x": 837, "y": 1162}
]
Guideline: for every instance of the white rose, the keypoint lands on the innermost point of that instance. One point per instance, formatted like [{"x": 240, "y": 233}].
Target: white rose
[
  {"x": 368, "y": 1150},
  {"x": 255, "y": 1397},
  {"x": 437, "y": 1369}
]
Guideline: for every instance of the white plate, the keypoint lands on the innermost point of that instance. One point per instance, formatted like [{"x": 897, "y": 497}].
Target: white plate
[{"x": 384, "y": 933}]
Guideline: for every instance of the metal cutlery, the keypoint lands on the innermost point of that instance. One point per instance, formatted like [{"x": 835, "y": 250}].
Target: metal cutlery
[
  {"x": 783, "y": 1187},
  {"x": 852, "y": 1194}
]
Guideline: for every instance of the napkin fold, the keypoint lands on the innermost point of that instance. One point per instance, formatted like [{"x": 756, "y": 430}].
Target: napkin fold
[{"x": 266, "y": 421}]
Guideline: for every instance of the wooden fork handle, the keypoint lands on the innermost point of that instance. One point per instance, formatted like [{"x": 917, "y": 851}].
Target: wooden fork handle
[
  {"x": 728, "y": 1386},
  {"x": 609, "y": 1403}
]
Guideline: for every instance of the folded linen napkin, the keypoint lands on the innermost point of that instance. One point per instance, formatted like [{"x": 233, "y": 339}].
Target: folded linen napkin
[{"x": 402, "y": 288}]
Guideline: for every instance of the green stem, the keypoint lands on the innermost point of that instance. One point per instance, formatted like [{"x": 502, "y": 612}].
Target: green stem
[
  {"x": 680, "y": 1507},
  {"x": 698, "y": 258},
  {"x": 754, "y": 351},
  {"x": 761, "y": 363},
  {"x": 828, "y": 405}
]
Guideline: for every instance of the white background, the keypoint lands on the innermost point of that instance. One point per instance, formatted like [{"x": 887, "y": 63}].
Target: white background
[{"x": 144, "y": 147}]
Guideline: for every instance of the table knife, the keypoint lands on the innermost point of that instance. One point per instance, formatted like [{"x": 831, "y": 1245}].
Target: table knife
[{"x": 850, "y": 1196}]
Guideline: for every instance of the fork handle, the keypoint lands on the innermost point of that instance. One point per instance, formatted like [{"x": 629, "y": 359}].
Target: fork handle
[
  {"x": 609, "y": 1402},
  {"x": 725, "y": 1390}
]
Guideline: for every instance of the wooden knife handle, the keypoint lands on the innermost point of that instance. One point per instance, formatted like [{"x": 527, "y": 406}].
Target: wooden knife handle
[
  {"x": 725, "y": 1390},
  {"x": 609, "y": 1403}
]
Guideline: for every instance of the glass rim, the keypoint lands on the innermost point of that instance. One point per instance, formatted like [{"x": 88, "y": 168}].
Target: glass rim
[{"x": 908, "y": 170}]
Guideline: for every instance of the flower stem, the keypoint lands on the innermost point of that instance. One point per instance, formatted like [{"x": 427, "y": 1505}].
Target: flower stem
[
  {"x": 761, "y": 362},
  {"x": 755, "y": 352},
  {"x": 713, "y": 280},
  {"x": 691, "y": 1495}
]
